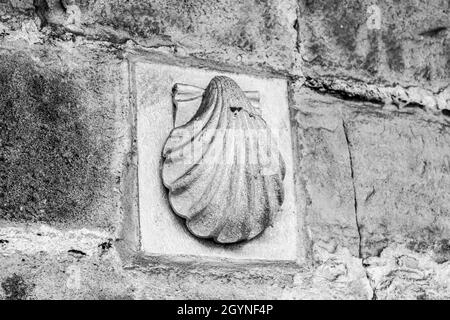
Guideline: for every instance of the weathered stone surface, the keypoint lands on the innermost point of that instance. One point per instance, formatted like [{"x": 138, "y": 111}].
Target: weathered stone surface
[
  {"x": 60, "y": 126},
  {"x": 85, "y": 264},
  {"x": 249, "y": 32},
  {"x": 337, "y": 276},
  {"x": 401, "y": 273},
  {"x": 397, "y": 161},
  {"x": 15, "y": 288},
  {"x": 392, "y": 96},
  {"x": 85, "y": 268},
  {"x": 17, "y": 5},
  {"x": 380, "y": 175},
  {"x": 324, "y": 171},
  {"x": 391, "y": 41},
  {"x": 257, "y": 33},
  {"x": 402, "y": 177},
  {"x": 79, "y": 265}
]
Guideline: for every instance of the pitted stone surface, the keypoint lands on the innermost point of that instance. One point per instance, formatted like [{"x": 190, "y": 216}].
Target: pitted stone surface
[
  {"x": 325, "y": 172},
  {"x": 60, "y": 129},
  {"x": 392, "y": 41},
  {"x": 402, "y": 176}
]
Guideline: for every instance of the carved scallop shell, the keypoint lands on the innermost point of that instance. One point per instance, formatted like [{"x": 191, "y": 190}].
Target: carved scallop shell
[{"x": 223, "y": 169}]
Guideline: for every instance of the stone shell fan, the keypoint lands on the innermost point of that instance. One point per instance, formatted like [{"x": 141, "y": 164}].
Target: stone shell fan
[{"x": 223, "y": 169}]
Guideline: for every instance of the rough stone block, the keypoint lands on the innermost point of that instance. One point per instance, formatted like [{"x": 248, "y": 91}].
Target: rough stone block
[
  {"x": 403, "y": 274},
  {"x": 257, "y": 33},
  {"x": 373, "y": 175},
  {"x": 324, "y": 171},
  {"x": 61, "y": 125},
  {"x": 401, "y": 165},
  {"x": 393, "y": 41}
]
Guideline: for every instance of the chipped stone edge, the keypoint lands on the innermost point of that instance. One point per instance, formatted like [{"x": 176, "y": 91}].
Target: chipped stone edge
[
  {"x": 396, "y": 95},
  {"x": 34, "y": 239}
]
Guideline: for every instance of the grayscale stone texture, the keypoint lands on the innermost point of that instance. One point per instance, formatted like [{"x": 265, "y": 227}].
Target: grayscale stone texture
[{"x": 369, "y": 107}]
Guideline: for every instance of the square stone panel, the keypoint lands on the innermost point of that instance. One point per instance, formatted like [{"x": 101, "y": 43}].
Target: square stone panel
[{"x": 163, "y": 232}]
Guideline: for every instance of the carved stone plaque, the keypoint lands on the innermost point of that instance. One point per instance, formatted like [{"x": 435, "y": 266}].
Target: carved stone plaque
[
  {"x": 223, "y": 168},
  {"x": 243, "y": 212}
]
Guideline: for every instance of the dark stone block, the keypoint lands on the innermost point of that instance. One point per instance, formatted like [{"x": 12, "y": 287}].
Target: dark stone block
[
  {"x": 389, "y": 41},
  {"x": 54, "y": 162},
  {"x": 16, "y": 288}
]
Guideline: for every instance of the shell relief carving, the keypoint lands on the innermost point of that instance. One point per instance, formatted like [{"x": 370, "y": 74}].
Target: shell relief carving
[{"x": 222, "y": 168}]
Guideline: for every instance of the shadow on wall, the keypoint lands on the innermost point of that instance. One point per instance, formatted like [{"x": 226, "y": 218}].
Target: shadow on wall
[{"x": 51, "y": 167}]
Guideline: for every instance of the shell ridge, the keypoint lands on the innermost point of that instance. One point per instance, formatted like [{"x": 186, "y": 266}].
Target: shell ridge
[
  {"x": 246, "y": 209},
  {"x": 183, "y": 180},
  {"x": 231, "y": 188},
  {"x": 265, "y": 202},
  {"x": 233, "y": 182},
  {"x": 209, "y": 114},
  {"x": 223, "y": 136},
  {"x": 194, "y": 161},
  {"x": 249, "y": 168},
  {"x": 209, "y": 188},
  {"x": 250, "y": 163},
  {"x": 225, "y": 170},
  {"x": 282, "y": 170},
  {"x": 223, "y": 217},
  {"x": 273, "y": 185},
  {"x": 218, "y": 124}
]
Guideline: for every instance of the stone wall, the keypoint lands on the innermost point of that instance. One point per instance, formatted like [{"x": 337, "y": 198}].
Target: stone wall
[{"x": 369, "y": 101}]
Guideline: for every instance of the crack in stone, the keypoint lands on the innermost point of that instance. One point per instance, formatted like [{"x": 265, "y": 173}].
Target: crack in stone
[
  {"x": 398, "y": 96},
  {"x": 352, "y": 174},
  {"x": 344, "y": 91},
  {"x": 40, "y": 8}
]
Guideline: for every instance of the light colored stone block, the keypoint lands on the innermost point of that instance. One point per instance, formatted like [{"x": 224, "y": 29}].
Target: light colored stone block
[{"x": 162, "y": 232}]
